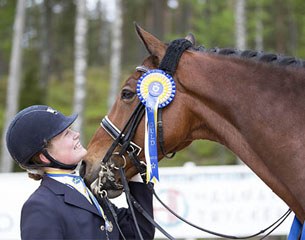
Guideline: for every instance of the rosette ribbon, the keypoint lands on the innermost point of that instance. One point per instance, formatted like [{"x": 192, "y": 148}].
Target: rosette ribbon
[{"x": 155, "y": 89}]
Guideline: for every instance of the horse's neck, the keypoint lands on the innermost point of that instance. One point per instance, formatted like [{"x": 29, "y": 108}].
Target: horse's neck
[
  {"x": 248, "y": 98},
  {"x": 257, "y": 112}
]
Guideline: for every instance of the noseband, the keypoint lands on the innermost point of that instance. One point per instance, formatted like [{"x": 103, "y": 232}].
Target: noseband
[{"x": 114, "y": 132}]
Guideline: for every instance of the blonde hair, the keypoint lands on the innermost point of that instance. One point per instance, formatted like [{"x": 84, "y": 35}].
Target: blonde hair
[{"x": 34, "y": 172}]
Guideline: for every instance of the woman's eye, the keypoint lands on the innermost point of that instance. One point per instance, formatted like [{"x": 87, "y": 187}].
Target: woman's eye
[{"x": 127, "y": 94}]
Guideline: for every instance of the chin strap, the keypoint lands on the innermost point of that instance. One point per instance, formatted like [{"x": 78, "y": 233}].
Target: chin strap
[{"x": 56, "y": 164}]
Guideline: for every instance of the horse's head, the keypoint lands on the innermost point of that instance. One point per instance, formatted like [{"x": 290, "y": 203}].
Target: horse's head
[{"x": 123, "y": 109}]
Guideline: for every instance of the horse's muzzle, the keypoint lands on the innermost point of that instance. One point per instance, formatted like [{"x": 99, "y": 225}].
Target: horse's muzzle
[{"x": 107, "y": 182}]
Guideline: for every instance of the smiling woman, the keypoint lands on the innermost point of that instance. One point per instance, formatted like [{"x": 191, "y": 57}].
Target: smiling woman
[{"x": 41, "y": 141}]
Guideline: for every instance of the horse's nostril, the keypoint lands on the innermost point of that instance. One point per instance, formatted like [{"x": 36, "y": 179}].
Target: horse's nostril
[{"x": 82, "y": 169}]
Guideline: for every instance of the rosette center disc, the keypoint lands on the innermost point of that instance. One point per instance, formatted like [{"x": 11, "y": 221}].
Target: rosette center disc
[
  {"x": 156, "y": 83},
  {"x": 155, "y": 89}
]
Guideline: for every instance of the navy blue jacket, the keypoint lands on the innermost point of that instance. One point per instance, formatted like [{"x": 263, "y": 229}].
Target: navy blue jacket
[{"x": 57, "y": 211}]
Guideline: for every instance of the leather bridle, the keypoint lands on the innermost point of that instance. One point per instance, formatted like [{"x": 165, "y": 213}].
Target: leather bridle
[{"x": 122, "y": 139}]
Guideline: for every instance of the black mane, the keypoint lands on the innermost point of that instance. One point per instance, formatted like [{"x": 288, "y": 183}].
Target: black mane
[{"x": 257, "y": 55}]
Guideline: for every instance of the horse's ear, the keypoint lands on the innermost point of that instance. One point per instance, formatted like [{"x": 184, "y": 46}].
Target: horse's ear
[
  {"x": 153, "y": 45},
  {"x": 191, "y": 38}
]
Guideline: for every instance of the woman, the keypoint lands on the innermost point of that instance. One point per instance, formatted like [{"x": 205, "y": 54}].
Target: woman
[{"x": 41, "y": 141}]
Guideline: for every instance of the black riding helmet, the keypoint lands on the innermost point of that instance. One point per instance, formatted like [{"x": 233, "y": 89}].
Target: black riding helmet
[{"x": 31, "y": 129}]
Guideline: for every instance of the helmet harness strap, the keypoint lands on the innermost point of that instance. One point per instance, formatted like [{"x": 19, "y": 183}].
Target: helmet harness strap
[{"x": 56, "y": 164}]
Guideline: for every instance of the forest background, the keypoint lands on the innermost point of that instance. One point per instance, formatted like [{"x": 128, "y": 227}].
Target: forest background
[{"x": 74, "y": 55}]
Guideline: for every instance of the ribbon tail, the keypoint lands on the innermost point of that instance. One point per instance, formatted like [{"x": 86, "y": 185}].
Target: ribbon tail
[
  {"x": 146, "y": 150},
  {"x": 151, "y": 153}
]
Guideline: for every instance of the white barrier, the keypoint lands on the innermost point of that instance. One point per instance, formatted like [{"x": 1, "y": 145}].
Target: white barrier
[{"x": 226, "y": 199}]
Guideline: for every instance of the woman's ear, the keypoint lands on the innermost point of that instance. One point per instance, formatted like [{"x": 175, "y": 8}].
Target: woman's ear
[{"x": 43, "y": 158}]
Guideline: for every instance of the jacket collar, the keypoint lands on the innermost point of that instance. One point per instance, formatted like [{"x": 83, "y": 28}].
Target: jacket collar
[{"x": 71, "y": 195}]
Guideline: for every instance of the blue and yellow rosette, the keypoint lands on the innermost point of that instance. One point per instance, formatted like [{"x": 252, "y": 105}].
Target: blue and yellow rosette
[{"x": 155, "y": 89}]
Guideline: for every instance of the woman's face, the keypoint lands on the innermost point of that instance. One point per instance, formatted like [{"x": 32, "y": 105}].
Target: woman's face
[{"x": 66, "y": 147}]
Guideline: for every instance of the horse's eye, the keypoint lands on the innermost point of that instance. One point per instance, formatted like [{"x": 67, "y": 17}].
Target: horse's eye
[{"x": 127, "y": 94}]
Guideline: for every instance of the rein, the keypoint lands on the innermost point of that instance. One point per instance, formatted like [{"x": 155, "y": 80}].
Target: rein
[{"x": 272, "y": 227}]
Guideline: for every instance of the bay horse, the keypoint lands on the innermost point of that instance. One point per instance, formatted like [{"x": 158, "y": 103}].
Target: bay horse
[{"x": 252, "y": 103}]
